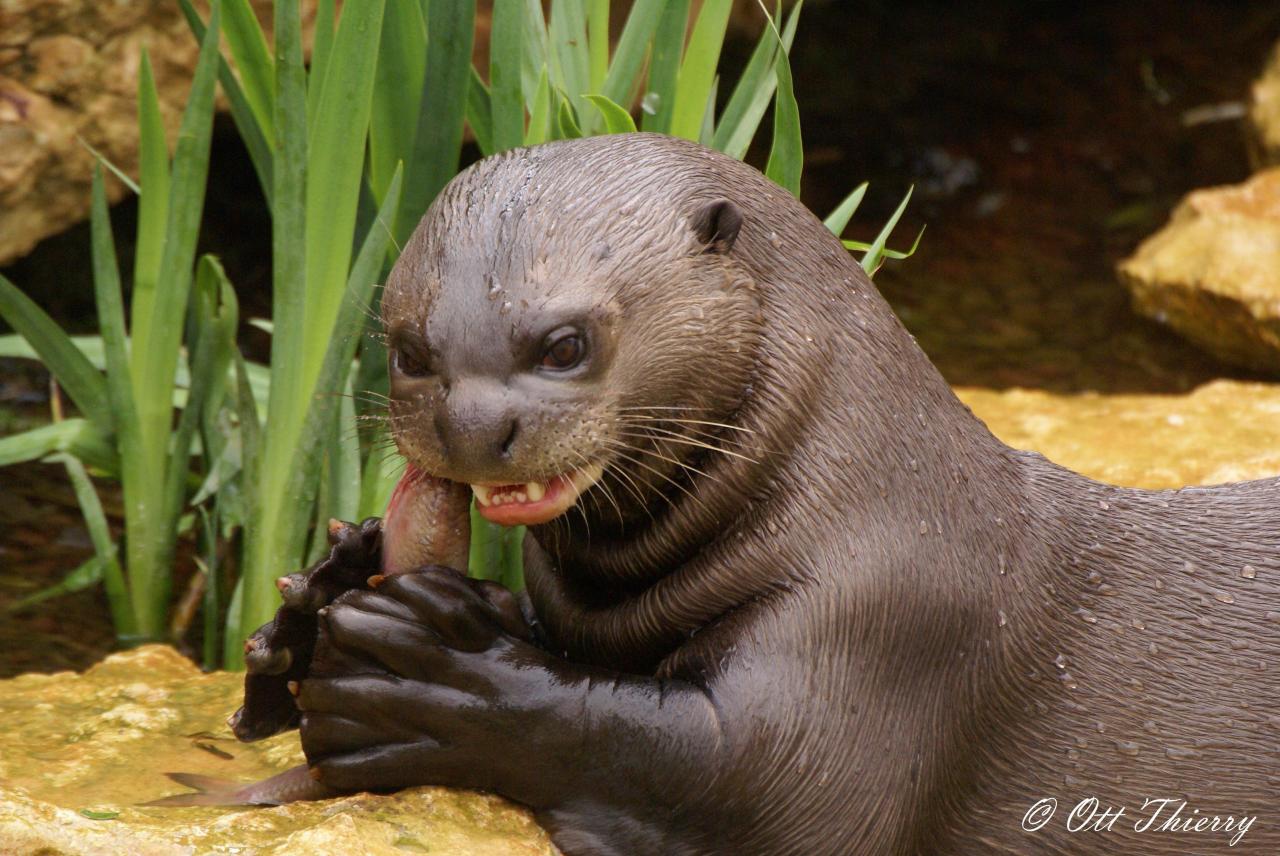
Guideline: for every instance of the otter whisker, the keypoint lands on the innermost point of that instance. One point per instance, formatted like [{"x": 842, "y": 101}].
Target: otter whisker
[
  {"x": 618, "y": 450},
  {"x": 673, "y": 437},
  {"x": 632, "y": 421},
  {"x": 632, "y": 411},
  {"x": 671, "y": 460}
]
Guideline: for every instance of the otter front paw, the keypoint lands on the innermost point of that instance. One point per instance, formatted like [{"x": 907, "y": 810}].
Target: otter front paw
[
  {"x": 279, "y": 653},
  {"x": 453, "y": 665}
]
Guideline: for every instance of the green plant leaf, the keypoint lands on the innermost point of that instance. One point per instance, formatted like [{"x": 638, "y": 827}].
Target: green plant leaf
[
  {"x": 78, "y": 377},
  {"x": 540, "y": 121},
  {"x": 139, "y": 469},
  {"x": 324, "y": 35},
  {"x": 750, "y": 99},
  {"x": 536, "y": 60},
  {"x": 598, "y": 43},
  {"x": 252, "y": 133},
  {"x": 616, "y": 120},
  {"x": 875, "y": 253},
  {"x": 506, "y": 63},
  {"x": 664, "y": 67},
  {"x": 437, "y": 143},
  {"x": 83, "y": 576},
  {"x": 480, "y": 114},
  {"x": 566, "y": 122},
  {"x": 698, "y": 71},
  {"x": 839, "y": 219},
  {"x": 628, "y": 55},
  {"x": 103, "y": 547},
  {"x": 76, "y": 436},
  {"x": 569, "y": 61},
  {"x": 397, "y": 90},
  {"x": 158, "y": 353},
  {"x": 786, "y": 157},
  {"x": 253, "y": 58},
  {"x": 153, "y": 206}
]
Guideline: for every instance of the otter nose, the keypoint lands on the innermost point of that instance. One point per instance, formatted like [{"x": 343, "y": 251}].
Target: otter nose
[{"x": 477, "y": 425}]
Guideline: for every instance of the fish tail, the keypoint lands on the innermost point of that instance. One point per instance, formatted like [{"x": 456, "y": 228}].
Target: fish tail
[{"x": 208, "y": 790}]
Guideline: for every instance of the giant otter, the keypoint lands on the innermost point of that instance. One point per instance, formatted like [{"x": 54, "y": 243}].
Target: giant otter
[{"x": 791, "y": 595}]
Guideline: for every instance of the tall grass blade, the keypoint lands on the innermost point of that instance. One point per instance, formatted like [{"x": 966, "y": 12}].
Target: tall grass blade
[
  {"x": 664, "y": 66},
  {"x": 65, "y": 361},
  {"x": 438, "y": 140},
  {"x": 397, "y": 89},
  {"x": 540, "y": 120},
  {"x": 480, "y": 114},
  {"x": 628, "y": 55},
  {"x": 140, "y": 469},
  {"x": 506, "y": 62},
  {"x": 153, "y": 206},
  {"x": 321, "y": 49},
  {"x": 159, "y": 351},
  {"x": 253, "y": 59},
  {"x": 103, "y": 547},
  {"x": 839, "y": 219},
  {"x": 786, "y": 157},
  {"x": 75, "y": 436},
  {"x": 252, "y": 133},
  {"x": 875, "y": 253},
  {"x": 698, "y": 71},
  {"x": 750, "y": 99}
]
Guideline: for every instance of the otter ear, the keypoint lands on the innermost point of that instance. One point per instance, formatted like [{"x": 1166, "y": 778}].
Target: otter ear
[{"x": 717, "y": 225}]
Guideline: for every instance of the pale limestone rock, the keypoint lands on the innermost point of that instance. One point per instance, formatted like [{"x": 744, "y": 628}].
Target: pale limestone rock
[
  {"x": 102, "y": 742},
  {"x": 1221, "y": 432},
  {"x": 1213, "y": 273}
]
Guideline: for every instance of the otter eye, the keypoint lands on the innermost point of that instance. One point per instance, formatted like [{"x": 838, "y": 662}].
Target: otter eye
[
  {"x": 564, "y": 351},
  {"x": 409, "y": 361}
]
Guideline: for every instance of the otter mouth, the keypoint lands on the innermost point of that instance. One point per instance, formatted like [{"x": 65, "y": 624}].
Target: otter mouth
[{"x": 533, "y": 502}]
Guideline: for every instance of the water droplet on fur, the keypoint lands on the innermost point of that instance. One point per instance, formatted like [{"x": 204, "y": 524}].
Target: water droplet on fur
[
  {"x": 1239, "y": 644},
  {"x": 1150, "y": 726},
  {"x": 1159, "y": 584},
  {"x": 1153, "y": 649},
  {"x": 1082, "y": 742},
  {"x": 1248, "y": 572},
  {"x": 1224, "y": 597},
  {"x": 1127, "y": 747},
  {"x": 1001, "y": 565},
  {"x": 1086, "y": 616},
  {"x": 1102, "y": 503},
  {"x": 1068, "y": 681},
  {"x": 1002, "y": 619},
  {"x": 924, "y": 527},
  {"x": 1060, "y": 661},
  {"x": 1138, "y": 624}
]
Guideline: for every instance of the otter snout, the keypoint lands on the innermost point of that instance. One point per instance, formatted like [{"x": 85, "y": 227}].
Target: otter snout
[{"x": 477, "y": 424}]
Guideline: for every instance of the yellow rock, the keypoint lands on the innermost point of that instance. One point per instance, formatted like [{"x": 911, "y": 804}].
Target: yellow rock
[
  {"x": 1213, "y": 273},
  {"x": 79, "y": 752},
  {"x": 1223, "y": 431}
]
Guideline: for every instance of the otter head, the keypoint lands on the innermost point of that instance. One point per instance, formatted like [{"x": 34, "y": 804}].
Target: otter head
[{"x": 568, "y": 325}]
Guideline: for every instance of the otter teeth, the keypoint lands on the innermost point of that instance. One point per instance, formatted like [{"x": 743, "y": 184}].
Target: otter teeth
[{"x": 487, "y": 496}]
